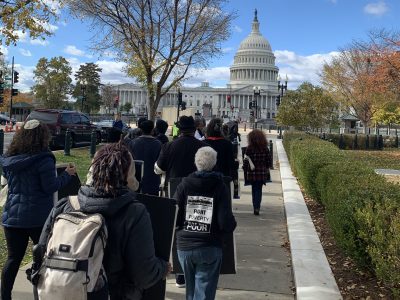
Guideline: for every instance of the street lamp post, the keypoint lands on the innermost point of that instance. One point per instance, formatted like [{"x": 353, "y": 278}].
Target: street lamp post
[
  {"x": 257, "y": 93},
  {"x": 83, "y": 84},
  {"x": 281, "y": 89}
]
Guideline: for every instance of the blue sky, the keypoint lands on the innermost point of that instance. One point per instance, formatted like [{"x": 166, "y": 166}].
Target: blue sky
[{"x": 303, "y": 35}]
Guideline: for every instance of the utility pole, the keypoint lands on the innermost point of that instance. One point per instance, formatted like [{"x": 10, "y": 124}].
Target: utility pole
[{"x": 12, "y": 87}]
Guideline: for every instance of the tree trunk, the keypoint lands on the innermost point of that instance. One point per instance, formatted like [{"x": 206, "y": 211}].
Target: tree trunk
[{"x": 365, "y": 127}]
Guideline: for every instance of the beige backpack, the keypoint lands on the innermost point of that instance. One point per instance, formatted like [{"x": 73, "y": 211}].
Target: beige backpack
[{"x": 73, "y": 261}]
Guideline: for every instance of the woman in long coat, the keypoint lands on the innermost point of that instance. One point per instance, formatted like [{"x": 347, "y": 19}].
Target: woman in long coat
[{"x": 258, "y": 153}]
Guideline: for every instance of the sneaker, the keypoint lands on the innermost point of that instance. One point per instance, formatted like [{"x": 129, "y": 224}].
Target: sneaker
[
  {"x": 180, "y": 280},
  {"x": 256, "y": 211}
]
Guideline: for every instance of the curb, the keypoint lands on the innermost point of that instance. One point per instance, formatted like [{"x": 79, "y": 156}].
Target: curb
[{"x": 313, "y": 276}]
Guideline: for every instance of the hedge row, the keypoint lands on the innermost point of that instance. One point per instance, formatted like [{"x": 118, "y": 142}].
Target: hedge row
[
  {"x": 362, "y": 208},
  {"x": 360, "y": 141}
]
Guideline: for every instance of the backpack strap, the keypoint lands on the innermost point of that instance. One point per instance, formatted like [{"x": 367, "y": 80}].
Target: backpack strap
[{"x": 73, "y": 200}]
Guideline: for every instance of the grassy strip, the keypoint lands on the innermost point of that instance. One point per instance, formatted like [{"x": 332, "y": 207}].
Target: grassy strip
[{"x": 80, "y": 157}]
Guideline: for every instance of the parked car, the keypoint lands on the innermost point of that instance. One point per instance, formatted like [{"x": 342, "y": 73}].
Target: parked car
[
  {"x": 104, "y": 126},
  {"x": 4, "y": 118},
  {"x": 59, "y": 121}
]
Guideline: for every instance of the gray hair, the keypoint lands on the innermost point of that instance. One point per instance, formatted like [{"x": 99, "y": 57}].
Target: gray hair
[{"x": 205, "y": 159}]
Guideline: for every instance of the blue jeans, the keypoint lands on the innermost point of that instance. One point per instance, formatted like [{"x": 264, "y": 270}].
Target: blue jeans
[
  {"x": 201, "y": 267},
  {"x": 256, "y": 192}
]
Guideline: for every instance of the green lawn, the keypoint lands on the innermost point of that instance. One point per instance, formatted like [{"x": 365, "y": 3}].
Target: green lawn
[
  {"x": 81, "y": 159},
  {"x": 387, "y": 159}
]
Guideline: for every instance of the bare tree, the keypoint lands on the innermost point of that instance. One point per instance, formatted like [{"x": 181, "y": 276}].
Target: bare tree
[
  {"x": 158, "y": 39},
  {"x": 108, "y": 95}
]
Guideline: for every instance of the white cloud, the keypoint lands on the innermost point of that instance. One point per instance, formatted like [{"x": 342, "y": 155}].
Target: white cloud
[
  {"x": 71, "y": 49},
  {"x": 376, "y": 8},
  {"x": 237, "y": 29},
  {"x": 227, "y": 49},
  {"x": 3, "y": 50},
  {"x": 25, "y": 52},
  {"x": 301, "y": 68},
  {"x": 39, "y": 42}
]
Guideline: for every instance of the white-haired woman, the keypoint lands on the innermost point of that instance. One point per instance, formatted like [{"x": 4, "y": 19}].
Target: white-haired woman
[{"x": 205, "y": 214}]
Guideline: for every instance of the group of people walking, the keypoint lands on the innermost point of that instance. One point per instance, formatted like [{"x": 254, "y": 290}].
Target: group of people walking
[{"x": 201, "y": 156}]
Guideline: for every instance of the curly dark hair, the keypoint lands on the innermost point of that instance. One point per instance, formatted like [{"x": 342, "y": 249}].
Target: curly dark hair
[
  {"x": 257, "y": 141},
  {"x": 214, "y": 128},
  {"x": 110, "y": 168},
  {"x": 30, "y": 141}
]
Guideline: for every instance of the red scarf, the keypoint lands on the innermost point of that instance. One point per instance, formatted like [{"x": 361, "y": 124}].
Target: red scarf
[{"x": 215, "y": 138}]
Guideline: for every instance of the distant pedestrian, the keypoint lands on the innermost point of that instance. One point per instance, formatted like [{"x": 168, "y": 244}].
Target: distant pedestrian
[
  {"x": 30, "y": 169},
  {"x": 118, "y": 122},
  {"x": 225, "y": 159},
  {"x": 204, "y": 216},
  {"x": 161, "y": 129},
  {"x": 147, "y": 148},
  {"x": 199, "y": 133},
  {"x": 256, "y": 168},
  {"x": 176, "y": 160}
]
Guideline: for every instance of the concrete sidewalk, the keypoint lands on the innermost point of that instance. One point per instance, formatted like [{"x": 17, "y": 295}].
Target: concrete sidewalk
[{"x": 263, "y": 265}]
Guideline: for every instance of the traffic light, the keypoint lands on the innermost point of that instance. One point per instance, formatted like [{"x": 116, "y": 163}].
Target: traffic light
[
  {"x": 16, "y": 76},
  {"x": 14, "y": 92},
  {"x": 183, "y": 105},
  {"x": 1, "y": 92},
  {"x": 278, "y": 100},
  {"x": 228, "y": 98},
  {"x": 252, "y": 113},
  {"x": 250, "y": 104},
  {"x": 116, "y": 101},
  {"x": 180, "y": 99}
]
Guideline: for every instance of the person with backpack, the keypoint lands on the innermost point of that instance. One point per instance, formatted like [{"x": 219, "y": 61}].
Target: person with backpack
[
  {"x": 30, "y": 169},
  {"x": 125, "y": 247},
  {"x": 204, "y": 216}
]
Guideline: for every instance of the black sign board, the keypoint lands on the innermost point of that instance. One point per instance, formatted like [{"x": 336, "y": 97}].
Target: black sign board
[
  {"x": 163, "y": 212},
  {"x": 72, "y": 188},
  {"x": 228, "y": 247}
]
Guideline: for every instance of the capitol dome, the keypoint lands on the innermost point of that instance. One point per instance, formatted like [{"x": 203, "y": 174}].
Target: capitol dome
[{"x": 254, "y": 62}]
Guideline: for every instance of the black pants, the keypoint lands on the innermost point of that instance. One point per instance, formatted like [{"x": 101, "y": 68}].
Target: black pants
[{"x": 17, "y": 241}]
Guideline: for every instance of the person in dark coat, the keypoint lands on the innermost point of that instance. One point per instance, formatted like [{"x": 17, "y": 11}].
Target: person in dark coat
[
  {"x": 147, "y": 148},
  {"x": 177, "y": 159},
  {"x": 225, "y": 159},
  {"x": 118, "y": 122},
  {"x": 258, "y": 152},
  {"x": 129, "y": 258},
  {"x": 30, "y": 170},
  {"x": 161, "y": 129},
  {"x": 204, "y": 216}
]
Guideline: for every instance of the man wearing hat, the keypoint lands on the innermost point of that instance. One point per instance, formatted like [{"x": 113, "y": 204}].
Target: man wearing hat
[{"x": 177, "y": 159}]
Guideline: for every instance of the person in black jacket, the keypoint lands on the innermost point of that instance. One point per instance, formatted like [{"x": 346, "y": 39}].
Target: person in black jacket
[
  {"x": 30, "y": 170},
  {"x": 129, "y": 258},
  {"x": 147, "y": 148},
  {"x": 161, "y": 129},
  {"x": 177, "y": 160},
  {"x": 215, "y": 138},
  {"x": 205, "y": 214}
]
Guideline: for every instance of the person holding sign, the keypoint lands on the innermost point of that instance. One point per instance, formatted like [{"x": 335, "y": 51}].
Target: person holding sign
[{"x": 205, "y": 215}]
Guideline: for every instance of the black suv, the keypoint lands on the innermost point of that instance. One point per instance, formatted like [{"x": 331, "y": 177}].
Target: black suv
[{"x": 59, "y": 121}]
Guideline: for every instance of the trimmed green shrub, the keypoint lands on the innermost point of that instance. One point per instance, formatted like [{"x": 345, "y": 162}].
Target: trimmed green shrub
[
  {"x": 379, "y": 223},
  {"x": 361, "y": 207},
  {"x": 308, "y": 157},
  {"x": 345, "y": 187}
]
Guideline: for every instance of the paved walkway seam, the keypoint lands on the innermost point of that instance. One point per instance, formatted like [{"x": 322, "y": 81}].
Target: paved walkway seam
[{"x": 313, "y": 276}]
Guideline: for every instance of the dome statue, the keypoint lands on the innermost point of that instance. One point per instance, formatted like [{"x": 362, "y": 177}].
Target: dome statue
[{"x": 254, "y": 62}]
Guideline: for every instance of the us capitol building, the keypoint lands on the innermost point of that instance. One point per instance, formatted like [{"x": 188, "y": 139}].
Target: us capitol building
[{"x": 253, "y": 67}]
